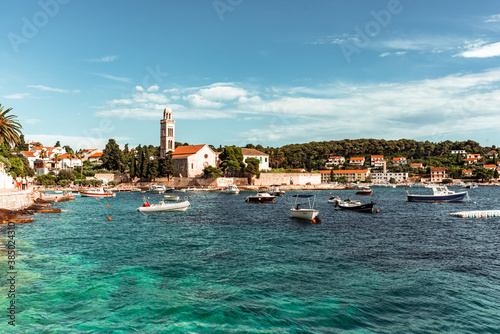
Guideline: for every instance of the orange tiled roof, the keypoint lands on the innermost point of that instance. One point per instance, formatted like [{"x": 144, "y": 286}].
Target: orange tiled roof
[
  {"x": 346, "y": 171},
  {"x": 357, "y": 158},
  {"x": 377, "y": 157},
  {"x": 397, "y": 159},
  {"x": 335, "y": 157},
  {"x": 96, "y": 155},
  {"x": 438, "y": 169},
  {"x": 30, "y": 154},
  {"x": 186, "y": 151},
  {"x": 470, "y": 159},
  {"x": 416, "y": 164},
  {"x": 466, "y": 171},
  {"x": 490, "y": 166}
]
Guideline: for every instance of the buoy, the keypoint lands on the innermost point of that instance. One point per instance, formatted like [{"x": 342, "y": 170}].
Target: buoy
[
  {"x": 377, "y": 211},
  {"x": 107, "y": 205},
  {"x": 109, "y": 218},
  {"x": 123, "y": 198},
  {"x": 330, "y": 192},
  {"x": 273, "y": 202},
  {"x": 96, "y": 198},
  {"x": 198, "y": 210},
  {"x": 189, "y": 196},
  {"x": 313, "y": 221}
]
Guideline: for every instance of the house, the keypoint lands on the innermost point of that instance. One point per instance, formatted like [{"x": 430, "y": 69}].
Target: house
[
  {"x": 253, "y": 153},
  {"x": 399, "y": 161},
  {"x": 377, "y": 161},
  {"x": 459, "y": 152},
  {"x": 386, "y": 177},
  {"x": 352, "y": 175},
  {"x": 476, "y": 156},
  {"x": 359, "y": 161},
  {"x": 88, "y": 152},
  {"x": 492, "y": 154},
  {"x": 490, "y": 166},
  {"x": 467, "y": 172},
  {"x": 470, "y": 161},
  {"x": 68, "y": 161},
  {"x": 41, "y": 158},
  {"x": 32, "y": 156},
  {"x": 6, "y": 181},
  {"x": 438, "y": 174},
  {"x": 417, "y": 165},
  {"x": 95, "y": 157},
  {"x": 335, "y": 160},
  {"x": 189, "y": 161}
]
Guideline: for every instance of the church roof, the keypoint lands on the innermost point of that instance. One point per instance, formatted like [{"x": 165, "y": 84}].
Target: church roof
[{"x": 186, "y": 151}]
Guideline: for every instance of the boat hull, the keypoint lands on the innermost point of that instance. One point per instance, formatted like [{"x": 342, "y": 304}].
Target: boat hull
[
  {"x": 172, "y": 207},
  {"x": 357, "y": 207},
  {"x": 257, "y": 199},
  {"x": 458, "y": 197},
  {"x": 171, "y": 198},
  {"x": 306, "y": 214},
  {"x": 364, "y": 192}
]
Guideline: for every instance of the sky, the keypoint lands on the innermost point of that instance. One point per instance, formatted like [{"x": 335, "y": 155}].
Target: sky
[{"x": 251, "y": 71}]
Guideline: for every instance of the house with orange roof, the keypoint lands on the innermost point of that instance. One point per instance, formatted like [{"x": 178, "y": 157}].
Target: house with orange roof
[
  {"x": 399, "y": 161},
  {"x": 335, "y": 160},
  {"x": 476, "y": 156},
  {"x": 377, "y": 161},
  {"x": 95, "y": 157},
  {"x": 417, "y": 165},
  {"x": 470, "y": 161},
  {"x": 438, "y": 174},
  {"x": 492, "y": 154},
  {"x": 69, "y": 161},
  {"x": 352, "y": 175},
  {"x": 189, "y": 161},
  {"x": 253, "y": 153},
  {"x": 492, "y": 166},
  {"x": 466, "y": 172},
  {"x": 358, "y": 161}
]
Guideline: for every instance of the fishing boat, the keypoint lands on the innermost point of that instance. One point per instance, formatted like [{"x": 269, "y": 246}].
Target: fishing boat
[
  {"x": 260, "y": 197},
  {"x": 171, "y": 198},
  {"x": 99, "y": 192},
  {"x": 162, "y": 206},
  {"x": 157, "y": 189},
  {"x": 232, "y": 189},
  {"x": 355, "y": 206},
  {"x": 274, "y": 190},
  {"x": 364, "y": 191},
  {"x": 439, "y": 194},
  {"x": 304, "y": 213}
]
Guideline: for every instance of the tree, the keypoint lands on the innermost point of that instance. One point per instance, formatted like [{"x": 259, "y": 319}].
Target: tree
[
  {"x": 79, "y": 155},
  {"x": 28, "y": 171},
  {"x": 232, "y": 159},
  {"x": 66, "y": 174},
  {"x": 56, "y": 159},
  {"x": 211, "y": 172},
  {"x": 21, "y": 146},
  {"x": 68, "y": 149},
  {"x": 392, "y": 180},
  {"x": 58, "y": 144},
  {"x": 166, "y": 166},
  {"x": 10, "y": 128},
  {"x": 252, "y": 166},
  {"x": 112, "y": 156}
]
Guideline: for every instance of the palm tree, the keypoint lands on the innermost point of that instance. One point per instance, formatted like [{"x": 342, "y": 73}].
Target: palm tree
[
  {"x": 56, "y": 159},
  {"x": 10, "y": 129},
  {"x": 79, "y": 155},
  {"x": 43, "y": 155}
]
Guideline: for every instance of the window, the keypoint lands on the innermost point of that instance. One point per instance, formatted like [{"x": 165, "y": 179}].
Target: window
[
  {"x": 206, "y": 156},
  {"x": 260, "y": 159},
  {"x": 265, "y": 159}
]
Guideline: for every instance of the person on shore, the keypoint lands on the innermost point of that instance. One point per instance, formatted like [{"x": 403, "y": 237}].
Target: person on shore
[
  {"x": 18, "y": 182},
  {"x": 23, "y": 182}
]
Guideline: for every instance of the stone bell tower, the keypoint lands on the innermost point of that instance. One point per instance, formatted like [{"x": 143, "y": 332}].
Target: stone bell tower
[{"x": 167, "y": 133}]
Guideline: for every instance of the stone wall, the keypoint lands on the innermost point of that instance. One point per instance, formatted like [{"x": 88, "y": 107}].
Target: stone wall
[
  {"x": 267, "y": 179},
  {"x": 16, "y": 200},
  {"x": 118, "y": 178}
]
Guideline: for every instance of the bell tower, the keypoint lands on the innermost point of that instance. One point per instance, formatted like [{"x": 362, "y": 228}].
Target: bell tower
[{"x": 167, "y": 133}]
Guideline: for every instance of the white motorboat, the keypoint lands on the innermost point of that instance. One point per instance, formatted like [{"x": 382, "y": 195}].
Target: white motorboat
[
  {"x": 260, "y": 197},
  {"x": 157, "y": 189},
  {"x": 171, "y": 198},
  {"x": 162, "y": 206},
  {"x": 231, "y": 189},
  {"x": 99, "y": 192},
  {"x": 304, "y": 213}
]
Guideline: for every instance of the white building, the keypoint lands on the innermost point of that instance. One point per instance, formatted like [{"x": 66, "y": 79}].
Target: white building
[
  {"x": 352, "y": 175},
  {"x": 438, "y": 174},
  {"x": 459, "y": 152},
  {"x": 377, "y": 161},
  {"x": 335, "y": 160},
  {"x": 358, "y": 161},
  {"x": 253, "y": 153},
  {"x": 167, "y": 133},
  {"x": 386, "y": 177},
  {"x": 6, "y": 181},
  {"x": 190, "y": 160},
  {"x": 399, "y": 161}
]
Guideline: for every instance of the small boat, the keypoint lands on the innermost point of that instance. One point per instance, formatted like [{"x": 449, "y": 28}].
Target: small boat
[
  {"x": 275, "y": 190},
  {"x": 183, "y": 190},
  {"x": 364, "y": 191},
  {"x": 304, "y": 213},
  {"x": 260, "y": 197},
  {"x": 439, "y": 194},
  {"x": 99, "y": 192},
  {"x": 355, "y": 206},
  {"x": 171, "y": 198},
  {"x": 157, "y": 189},
  {"x": 231, "y": 189},
  {"x": 162, "y": 206}
]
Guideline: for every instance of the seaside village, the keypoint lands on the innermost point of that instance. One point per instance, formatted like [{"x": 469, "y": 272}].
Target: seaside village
[{"x": 191, "y": 160}]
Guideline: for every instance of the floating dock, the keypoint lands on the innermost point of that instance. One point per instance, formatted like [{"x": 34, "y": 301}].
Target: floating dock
[{"x": 477, "y": 214}]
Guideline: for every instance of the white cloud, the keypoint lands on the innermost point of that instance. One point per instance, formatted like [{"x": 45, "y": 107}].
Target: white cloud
[
  {"x": 493, "y": 18},
  {"x": 17, "y": 96},
  {"x": 56, "y": 90},
  {"x": 112, "y": 77},
  {"x": 480, "y": 50},
  {"x": 222, "y": 93},
  {"x": 105, "y": 59},
  {"x": 153, "y": 88},
  {"x": 386, "y": 54},
  {"x": 32, "y": 121},
  {"x": 75, "y": 142},
  {"x": 198, "y": 101},
  {"x": 139, "y": 88}
]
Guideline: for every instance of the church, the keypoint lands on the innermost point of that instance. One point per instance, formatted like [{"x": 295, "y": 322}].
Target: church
[{"x": 189, "y": 160}]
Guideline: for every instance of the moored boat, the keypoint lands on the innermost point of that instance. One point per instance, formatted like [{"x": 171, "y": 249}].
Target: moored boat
[
  {"x": 439, "y": 194},
  {"x": 274, "y": 190},
  {"x": 356, "y": 206},
  {"x": 232, "y": 189},
  {"x": 364, "y": 191},
  {"x": 304, "y": 213},
  {"x": 260, "y": 197},
  {"x": 171, "y": 198},
  {"x": 99, "y": 192},
  {"x": 157, "y": 189},
  {"x": 162, "y": 206}
]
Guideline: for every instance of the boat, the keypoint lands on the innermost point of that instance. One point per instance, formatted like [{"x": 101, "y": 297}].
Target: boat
[
  {"x": 99, "y": 192},
  {"x": 439, "y": 194},
  {"x": 355, "y": 206},
  {"x": 304, "y": 213},
  {"x": 364, "y": 191},
  {"x": 171, "y": 198},
  {"x": 231, "y": 189},
  {"x": 157, "y": 189},
  {"x": 260, "y": 197},
  {"x": 162, "y": 206},
  {"x": 274, "y": 190},
  {"x": 183, "y": 190},
  {"x": 336, "y": 200}
]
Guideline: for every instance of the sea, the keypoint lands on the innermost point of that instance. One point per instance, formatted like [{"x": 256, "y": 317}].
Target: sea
[{"x": 227, "y": 266}]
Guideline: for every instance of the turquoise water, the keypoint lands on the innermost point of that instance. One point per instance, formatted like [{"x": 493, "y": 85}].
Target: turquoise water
[{"x": 236, "y": 267}]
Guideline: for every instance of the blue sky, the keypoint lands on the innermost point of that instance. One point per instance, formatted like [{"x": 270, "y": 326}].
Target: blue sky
[{"x": 241, "y": 71}]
